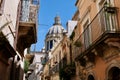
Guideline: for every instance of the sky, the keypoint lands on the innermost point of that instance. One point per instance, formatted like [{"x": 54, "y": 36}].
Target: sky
[{"x": 47, "y": 11}]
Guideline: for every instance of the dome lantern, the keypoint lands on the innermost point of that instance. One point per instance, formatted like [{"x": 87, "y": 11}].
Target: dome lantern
[{"x": 57, "y": 20}]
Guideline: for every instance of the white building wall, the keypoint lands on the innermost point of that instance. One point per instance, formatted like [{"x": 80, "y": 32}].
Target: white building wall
[
  {"x": 37, "y": 61},
  {"x": 9, "y": 15},
  {"x": 70, "y": 26},
  {"x": 37, "y": 66}
]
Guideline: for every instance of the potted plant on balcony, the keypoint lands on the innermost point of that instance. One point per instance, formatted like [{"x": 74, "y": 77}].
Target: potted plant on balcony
[
  {"x": 82, "y": 62},
  {"x": 91, "y": 57},
  {"x": 67, "y": 72},
  {"x": 78, "y": 44},
  {"x": 111, "y": 10},
  {"x": 26, "y": 65}
]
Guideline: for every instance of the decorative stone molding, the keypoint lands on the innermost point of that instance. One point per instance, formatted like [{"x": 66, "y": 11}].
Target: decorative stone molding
[
  {"x": 92, "y": 73},
  {"x": 114, "y": 42},
  {"x": 112, "y": 64}
]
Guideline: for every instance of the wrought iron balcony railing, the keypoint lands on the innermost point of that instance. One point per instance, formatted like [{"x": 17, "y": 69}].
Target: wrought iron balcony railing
[
  {"x": 62, "y": 63},
  {"x": 105, "y": 22}
]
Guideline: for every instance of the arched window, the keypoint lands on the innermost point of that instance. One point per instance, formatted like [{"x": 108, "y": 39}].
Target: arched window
[
  {"x": 51, "y": 44},
  {"x": 47, "y": 45},
  {"x": 91, "y": 77},
  {"x": 114, "y": 73}
]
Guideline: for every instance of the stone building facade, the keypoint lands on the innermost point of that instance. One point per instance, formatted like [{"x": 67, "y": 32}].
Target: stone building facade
[
  {"x": 92, "y": 50},
  {"x": 96, "y": 50},
  {"x": 14, "y": 39},
  {"x": 7, "y": 37}
]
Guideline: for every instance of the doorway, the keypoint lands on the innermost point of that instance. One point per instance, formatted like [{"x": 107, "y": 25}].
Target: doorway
[{"x": 114, "y": 73}]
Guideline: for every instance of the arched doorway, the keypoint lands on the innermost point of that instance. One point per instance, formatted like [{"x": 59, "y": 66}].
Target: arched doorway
[
  {"x": 91, "y": 77},
  {"x": 114, "y": 73}
]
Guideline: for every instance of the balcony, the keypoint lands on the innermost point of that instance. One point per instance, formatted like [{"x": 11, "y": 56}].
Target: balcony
[
  {"x": 101, "y": 30},
  {"x": 58, "y": 65},
  {"x": 26, "y": 32},
  {"x": 26, "y": 35},
  {"x": 67, "y": 71}
]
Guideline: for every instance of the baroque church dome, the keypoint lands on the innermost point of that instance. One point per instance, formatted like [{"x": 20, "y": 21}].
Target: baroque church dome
[
  {"x": 54, "y": 35},
  {"x": 57, "y": 28}
]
